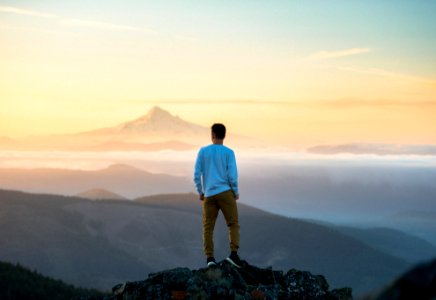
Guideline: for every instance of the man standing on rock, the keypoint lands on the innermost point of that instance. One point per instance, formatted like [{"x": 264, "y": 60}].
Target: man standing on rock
[{"x": 216, "y": 179}]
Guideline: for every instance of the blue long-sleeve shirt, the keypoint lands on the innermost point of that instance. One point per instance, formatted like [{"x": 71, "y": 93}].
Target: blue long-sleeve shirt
[{"x": 215, "y": 170}]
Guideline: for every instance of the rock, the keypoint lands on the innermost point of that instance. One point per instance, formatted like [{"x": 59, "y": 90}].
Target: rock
[
  {"x": 303, "y": 285},
  {"x": 340, "y": 294},
  {"x": 224, "y": 281}
]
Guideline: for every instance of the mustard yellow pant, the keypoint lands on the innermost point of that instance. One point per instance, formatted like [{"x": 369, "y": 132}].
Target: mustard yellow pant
[{"x": 225, "y": 202}]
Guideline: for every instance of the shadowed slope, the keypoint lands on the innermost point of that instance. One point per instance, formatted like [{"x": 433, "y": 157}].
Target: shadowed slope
[{"x": 101, "y": 243}]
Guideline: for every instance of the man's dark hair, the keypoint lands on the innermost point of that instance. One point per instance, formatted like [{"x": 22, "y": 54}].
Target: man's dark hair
[{"x": 219, "y": 130}]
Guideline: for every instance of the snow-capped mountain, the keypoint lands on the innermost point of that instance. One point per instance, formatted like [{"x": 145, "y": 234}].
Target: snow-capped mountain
[
  {"x": 156, "y": 130},
  {"x": 159, "y": 121}
]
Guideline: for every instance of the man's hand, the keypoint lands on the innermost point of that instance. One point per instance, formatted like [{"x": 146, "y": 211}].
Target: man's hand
[
  {"x": 236, "y": 197},
  {"x": 201, "y": 197}
]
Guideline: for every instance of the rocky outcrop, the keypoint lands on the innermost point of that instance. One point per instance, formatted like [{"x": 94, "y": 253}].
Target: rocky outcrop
[{"x": 225, "y": 281}]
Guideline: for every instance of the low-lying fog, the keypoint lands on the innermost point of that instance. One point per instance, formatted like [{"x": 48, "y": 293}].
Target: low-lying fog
[{"x": 361, "y": 190}]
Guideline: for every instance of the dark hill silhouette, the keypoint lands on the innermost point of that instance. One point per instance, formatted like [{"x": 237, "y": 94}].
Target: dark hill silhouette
[
  {"x": 100, "y": 243},
  {"x": 17, "y": 282},
  {"x": 417, "y": 283}
]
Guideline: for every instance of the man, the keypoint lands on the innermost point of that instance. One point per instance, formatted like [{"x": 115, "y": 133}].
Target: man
[{"x": 216, "y": 180}]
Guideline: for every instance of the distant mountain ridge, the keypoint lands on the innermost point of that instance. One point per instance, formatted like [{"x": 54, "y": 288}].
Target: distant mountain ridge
[
  {"x": 410, "y": 248},
  {"x": 101, "y": 243},
  {"x": 100, "y": 194},
  {"x": 121, "y": 179}
]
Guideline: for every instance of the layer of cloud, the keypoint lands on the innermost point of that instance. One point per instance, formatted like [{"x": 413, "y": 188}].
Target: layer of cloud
[
  {"x": 374, "y": 103},
  {"x": 19, "y": 11},
  {"x": 215, "y": 101},
  {"x": 103, "y": 25},
  {"x": 376, "y": 149},
  {"x": 384, "y": 73},
  {"x": 75, "y": 22},
  {"x": 326, "y": 103},
  {"x": 338, "y": 54}
]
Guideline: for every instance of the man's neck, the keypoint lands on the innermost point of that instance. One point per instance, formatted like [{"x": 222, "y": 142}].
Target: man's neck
[{"x": 218, "y": 141}]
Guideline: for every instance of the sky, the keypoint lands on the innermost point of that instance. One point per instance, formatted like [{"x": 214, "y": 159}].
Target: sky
[{"x": 299, "y": 72}]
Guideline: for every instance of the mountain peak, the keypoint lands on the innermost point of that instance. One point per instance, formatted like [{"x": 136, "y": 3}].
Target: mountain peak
[
  {"x": 157, "y": 111},
  {"x": 160, "y": 121},
  {"x": 157, "y": 114}
]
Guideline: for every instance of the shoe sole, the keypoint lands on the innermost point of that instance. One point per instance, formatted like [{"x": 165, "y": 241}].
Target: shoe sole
[{"x": 232, "y": 262}]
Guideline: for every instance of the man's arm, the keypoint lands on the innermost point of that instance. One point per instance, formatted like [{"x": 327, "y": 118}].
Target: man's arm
[
  {"x": 233, "y": 175},
  {"x": 197, "y": 176}
]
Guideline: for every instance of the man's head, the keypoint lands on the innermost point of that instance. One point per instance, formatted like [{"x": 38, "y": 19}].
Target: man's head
[{"x": 218, "y": 131}]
